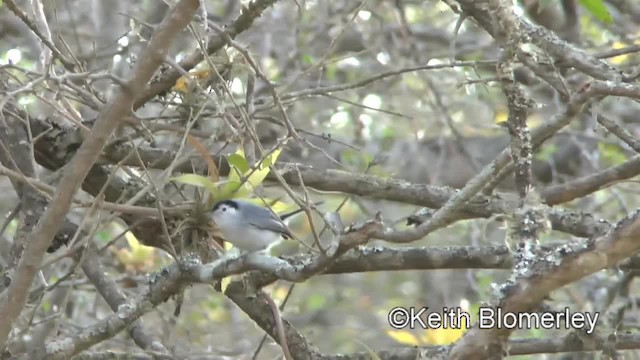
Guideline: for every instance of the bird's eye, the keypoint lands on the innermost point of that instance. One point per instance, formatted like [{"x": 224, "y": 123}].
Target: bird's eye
[{"x": 224, "y": 209}]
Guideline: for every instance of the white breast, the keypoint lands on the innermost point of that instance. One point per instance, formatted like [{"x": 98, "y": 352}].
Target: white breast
[{"x": 249, "y": 238}]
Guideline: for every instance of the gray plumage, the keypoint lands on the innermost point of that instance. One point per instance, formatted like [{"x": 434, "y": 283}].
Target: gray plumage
[
  {"x": 250, "y": 227},
  {"x": 265, "y": 219}
]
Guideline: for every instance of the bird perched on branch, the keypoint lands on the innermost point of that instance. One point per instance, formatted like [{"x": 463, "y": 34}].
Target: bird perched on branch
[{"x": 250, "y": 227}]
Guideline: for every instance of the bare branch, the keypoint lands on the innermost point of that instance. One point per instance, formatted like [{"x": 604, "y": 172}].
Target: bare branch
[
  {"x": 542, "y": 276},
  {"x": 116, "y": 298},
  {"x": 161, "y": 288},
  {"x": 516, "y": 347},
  {"x": 87, "y": 154},
  {"x": 46, "y": 40},
  {"x": 249, "y": 13},
  {"x": 589, "y": 184},
  {"x": 560, "y": 50}
]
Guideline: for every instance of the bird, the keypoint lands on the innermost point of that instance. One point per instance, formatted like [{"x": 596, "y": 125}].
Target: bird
[{"x": 250, "y": 227}]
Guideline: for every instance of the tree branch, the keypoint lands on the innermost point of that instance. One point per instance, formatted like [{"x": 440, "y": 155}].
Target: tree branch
[
  {"x": 552, "y": 345},
  {"x": 560, "y": 50},
  {"x": 542, "y": 275},
  {"x": 250, "y": 12},
  {"x": 116, "y": 298},
  {"x": 76, "y": 171}
]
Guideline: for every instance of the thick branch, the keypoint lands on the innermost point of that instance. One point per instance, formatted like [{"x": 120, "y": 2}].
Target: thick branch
[
  {"x": 15, "y": 153},
  {"x": 557, "y": 48},
  {"x": 583, "y": 186},
  {"x": 161, "y": 288},
  {"x": 516, "y": 347},
  {"x": 116, "y": 298},
  {"x": 543, "y": 276}
]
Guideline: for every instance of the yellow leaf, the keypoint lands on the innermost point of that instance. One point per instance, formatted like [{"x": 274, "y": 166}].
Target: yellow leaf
[
  {"x": 443, "y": 336},
  {"x": 501, "y": 116},
  {"x": 279, "y": 293},
  {"x": 224, "y": 283},
  {"x": 226, "y": 280},
  {"x": 202, "y": 74},
  {"x": 227, "y": 246},
  {"x": 183, "y": 83},
  {"x": 403, "y": 337},
  {"x": 140, "y": 254},
  {"x": 620, "y": 59},
  {"x": 137, "y": 257},
  {"x": 535, "y": 120},
  {"x": 123, "y": 256},
  {"x": 134, "y": 244},
  {"x": 218, "y": 315}
]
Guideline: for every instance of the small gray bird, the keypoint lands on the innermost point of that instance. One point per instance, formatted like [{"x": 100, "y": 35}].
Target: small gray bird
[{"x": 250, "y": 227}]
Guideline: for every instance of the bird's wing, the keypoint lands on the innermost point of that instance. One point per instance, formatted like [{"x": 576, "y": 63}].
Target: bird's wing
[
  {"x": 274, "y": 225},
  {"x": 265, "y": 219}
]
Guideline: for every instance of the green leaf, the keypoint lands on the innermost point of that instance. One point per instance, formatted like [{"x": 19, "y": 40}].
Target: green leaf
[
  {"x": 307, "y": 59},
  {"x": 198, "y": 180},
  {"x": 358, "y": 159},
  {"x": 546, "y": 152},
  {"x": 316, "y": 302},
  {"x": 240, "y": 168},
  {"x": 233, "y": 190},
  {"x": 612, "y": 154},
  {"x": 104, "y": 236},
  {"x": 234, "y": 173},
  {"x": 598, "y": 9},
  {"x": 331, "y": 72},
  {"x": 258, "y": 176},
  {"x": 46, "y": 306},
  {"x": 239, "y": 162}
]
